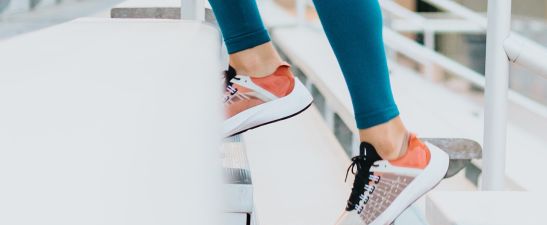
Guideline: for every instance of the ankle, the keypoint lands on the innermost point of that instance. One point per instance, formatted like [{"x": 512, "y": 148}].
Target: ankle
[
  {"x": 257, "y": 69},
  {"x": 389, "y": 139},
  {"x": 259, "y": 61}
]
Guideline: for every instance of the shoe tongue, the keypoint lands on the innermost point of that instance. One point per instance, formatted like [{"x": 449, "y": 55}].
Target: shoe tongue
[
  {"x": 229, "y": 75},
  {"x": 366, "y": 149},
  {"x": 231, "y": 70},
  {"x": 368, "y": 152}
]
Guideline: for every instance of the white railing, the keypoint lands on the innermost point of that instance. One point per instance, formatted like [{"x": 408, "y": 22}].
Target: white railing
[
  {"x": 503, "y": 47},
  {"x": 514, "y": 44},
  {"x": 495, "y": 92},
  {"x": 192, "y": 10}
]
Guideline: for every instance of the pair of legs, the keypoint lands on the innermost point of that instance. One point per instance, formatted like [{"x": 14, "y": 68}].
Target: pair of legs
[
  {"x": 354, "y": 30},
  {"x": 393, "y": 168}
]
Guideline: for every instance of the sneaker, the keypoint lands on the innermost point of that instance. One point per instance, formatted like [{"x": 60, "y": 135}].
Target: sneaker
[
  {"x": 251, "y": 102},
  {"x": 383, "y": 189}
]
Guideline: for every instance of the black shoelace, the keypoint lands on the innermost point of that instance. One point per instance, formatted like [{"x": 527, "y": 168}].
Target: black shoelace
[
  {"x": 360, "y": 167},
  {"x": 230, "y": 75}
]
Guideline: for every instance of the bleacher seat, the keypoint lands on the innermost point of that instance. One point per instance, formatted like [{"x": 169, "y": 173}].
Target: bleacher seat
[{"x": 102, "y": 123}]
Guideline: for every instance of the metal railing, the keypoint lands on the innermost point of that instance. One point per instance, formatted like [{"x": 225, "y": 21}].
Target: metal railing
[
  {"x": 192, "y": 10},
  {"x": 503, "y": 47},
  {"x": 495, "y": 92}
]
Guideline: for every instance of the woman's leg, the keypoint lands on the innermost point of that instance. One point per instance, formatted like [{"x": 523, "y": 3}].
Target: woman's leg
[
  {"x": 260, "y": 87},
  {"x": 248, "y": 42},
  {"x": 410, "y": 168},
  {"x": 354, "y": 30}
]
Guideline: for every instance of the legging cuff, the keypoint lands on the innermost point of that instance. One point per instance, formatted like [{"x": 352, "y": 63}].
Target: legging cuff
[
  {"x": 246, "y": 41},
  {"x": 368, "y": 120}
]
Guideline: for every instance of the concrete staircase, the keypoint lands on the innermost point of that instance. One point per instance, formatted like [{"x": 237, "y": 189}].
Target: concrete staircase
[{"x": 98, "y": 123}]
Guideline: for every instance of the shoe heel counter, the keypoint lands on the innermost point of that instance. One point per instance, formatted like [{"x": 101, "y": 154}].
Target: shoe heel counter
[
  {"x": 280, "y": 83},
  {"x": 417, "y": 156},
  {"x": 285, "y": 71}
]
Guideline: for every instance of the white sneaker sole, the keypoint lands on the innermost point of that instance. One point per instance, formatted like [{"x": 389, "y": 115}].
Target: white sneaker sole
[
  {"x": 282, "y": 108},
  {"x": 423, "y": 183}
]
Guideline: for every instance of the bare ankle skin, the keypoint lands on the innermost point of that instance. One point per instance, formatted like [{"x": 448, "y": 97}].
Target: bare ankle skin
[
  {"x": 259, "y": 61},
  {"x": 387, "y": 138}
]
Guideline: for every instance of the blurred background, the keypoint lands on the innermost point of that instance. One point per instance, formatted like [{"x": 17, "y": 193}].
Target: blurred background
[
  {"x": 529, "y": 20},
  {"x": 20, "y": 16}
]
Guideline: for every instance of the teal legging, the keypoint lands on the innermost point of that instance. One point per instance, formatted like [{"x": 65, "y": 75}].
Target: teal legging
[{"x": 354, "y": 30}]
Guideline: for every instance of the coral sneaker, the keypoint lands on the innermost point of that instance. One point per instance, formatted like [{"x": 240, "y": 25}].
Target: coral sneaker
[
  {"x": 251, "y": 102},
  {"x": 383, "y": 189}
]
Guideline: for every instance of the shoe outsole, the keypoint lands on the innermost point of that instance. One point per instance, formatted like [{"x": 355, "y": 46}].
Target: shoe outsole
[{"x": 273, "y": 121}]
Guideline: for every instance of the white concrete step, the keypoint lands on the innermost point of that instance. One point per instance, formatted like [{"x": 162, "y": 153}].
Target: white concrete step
[
  {"x": 298, "y": 171},
  {"x": 238, "y": 183},
  {"x": 110, "y": 122},
  {"x": 486, "y": 208}
]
